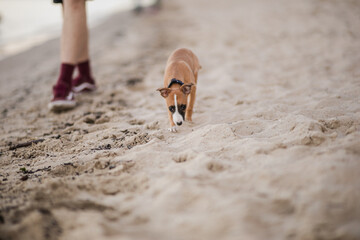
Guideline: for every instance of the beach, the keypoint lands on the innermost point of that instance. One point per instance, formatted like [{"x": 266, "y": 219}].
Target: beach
[{"x": 273, "y": 151}]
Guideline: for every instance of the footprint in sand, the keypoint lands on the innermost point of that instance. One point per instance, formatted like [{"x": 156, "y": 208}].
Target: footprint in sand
[
  {"x": 153, "y": 125},
  {"x": 138, "y": 139},
  {"x": 343, "y": 126},
  {"x": 215, "y": 166},
  {"x": 136, "y": 122},
  {"x": 185, "y": 156},
  {"x": 180, "y": 158}
]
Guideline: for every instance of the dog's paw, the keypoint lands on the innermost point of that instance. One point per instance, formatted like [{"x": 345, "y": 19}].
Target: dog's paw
[{"x": 172, "y": 129}]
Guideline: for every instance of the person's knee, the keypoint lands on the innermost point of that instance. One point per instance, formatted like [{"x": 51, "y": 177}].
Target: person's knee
[{"x": 74, "y": 4}]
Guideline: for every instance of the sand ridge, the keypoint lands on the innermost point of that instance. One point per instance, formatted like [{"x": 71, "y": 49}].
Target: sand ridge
[{"x": 273, "y": 152}]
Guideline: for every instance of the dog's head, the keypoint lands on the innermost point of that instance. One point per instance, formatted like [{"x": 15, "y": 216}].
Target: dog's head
[{"x": 176, "y": 101}]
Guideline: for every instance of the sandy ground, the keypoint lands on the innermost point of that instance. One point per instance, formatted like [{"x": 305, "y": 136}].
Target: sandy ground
[{"x": 273, "y": 153}]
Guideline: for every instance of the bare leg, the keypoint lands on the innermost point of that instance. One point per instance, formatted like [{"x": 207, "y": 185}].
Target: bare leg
[{"x": 74, "y": 40}]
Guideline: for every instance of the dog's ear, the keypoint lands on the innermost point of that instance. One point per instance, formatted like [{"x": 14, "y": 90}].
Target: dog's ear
[
  {"x": 186, "y": 88},
  {"x": 164, "y": 92}
]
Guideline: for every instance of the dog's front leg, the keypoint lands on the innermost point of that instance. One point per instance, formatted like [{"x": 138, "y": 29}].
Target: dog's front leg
[
  {"x": 189, "y": 110},
  {"x": 172, "y": 124}
]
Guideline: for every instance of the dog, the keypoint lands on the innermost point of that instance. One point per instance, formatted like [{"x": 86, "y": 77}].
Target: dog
[{"x": 179, "y": 89}]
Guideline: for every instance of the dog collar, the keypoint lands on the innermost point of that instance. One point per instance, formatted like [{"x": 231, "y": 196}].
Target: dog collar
[{"x": 174, "y": 80}]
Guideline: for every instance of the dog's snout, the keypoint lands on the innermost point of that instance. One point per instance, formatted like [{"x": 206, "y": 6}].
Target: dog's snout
[{"x": 179, "y": 123}]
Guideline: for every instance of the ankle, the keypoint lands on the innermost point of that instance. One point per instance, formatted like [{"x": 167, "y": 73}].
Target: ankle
[
  {"x": 66, "y": 73},
  {"x": 84, "y": 69}
]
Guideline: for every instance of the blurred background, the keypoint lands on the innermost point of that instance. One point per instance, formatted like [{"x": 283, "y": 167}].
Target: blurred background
[{"x": 25, "y": 23}]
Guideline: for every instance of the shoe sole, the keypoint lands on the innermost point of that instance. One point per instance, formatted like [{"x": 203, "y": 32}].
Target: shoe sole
[
  {"x": 84, "y": 87},
  {"x": 61, "y": 105}
]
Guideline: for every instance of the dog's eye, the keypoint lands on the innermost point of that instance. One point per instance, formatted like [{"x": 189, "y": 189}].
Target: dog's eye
[
  {"x": 172, "y": 109},
  {"x": 182, "y": 107}
]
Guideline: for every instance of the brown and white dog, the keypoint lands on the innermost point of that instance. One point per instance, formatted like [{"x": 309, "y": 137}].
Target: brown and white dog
[{"x": 180, "y": 86}]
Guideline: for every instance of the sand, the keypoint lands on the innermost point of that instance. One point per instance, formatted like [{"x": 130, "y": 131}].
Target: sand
[{"x": 273, "y": 152}]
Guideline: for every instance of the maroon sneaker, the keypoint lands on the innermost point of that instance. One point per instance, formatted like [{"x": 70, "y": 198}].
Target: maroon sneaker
[
  {"x": 83, "y": 84},
  {"x": 63, "y": 98}
]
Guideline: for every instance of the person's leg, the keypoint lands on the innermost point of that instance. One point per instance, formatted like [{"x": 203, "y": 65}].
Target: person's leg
[
  {"x": 74, "y": 44},
  {"x": 74, "y": 49},
  {"x": 74, "y": 39}
]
